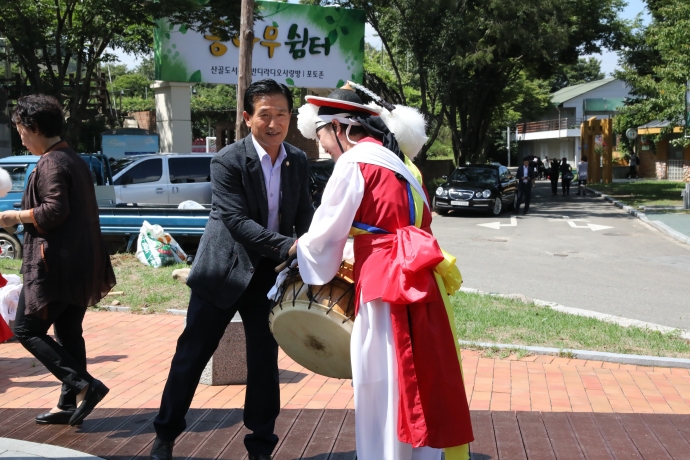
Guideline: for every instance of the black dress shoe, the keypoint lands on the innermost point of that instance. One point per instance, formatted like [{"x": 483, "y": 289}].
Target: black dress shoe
[
  {"x": 55, "y": 418},
  {"x": 94, "y": 395},
  {"x": 161, "y": 450},
  {"x": 259, "y": 457}
]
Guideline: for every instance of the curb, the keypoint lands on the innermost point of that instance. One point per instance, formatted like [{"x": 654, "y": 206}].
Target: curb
[
  {"x": 119, "y": 309},
  {"x": 588, "y": 355},
  {"x": 619, "y": 320},
  {"x": 662, "y": 227}
]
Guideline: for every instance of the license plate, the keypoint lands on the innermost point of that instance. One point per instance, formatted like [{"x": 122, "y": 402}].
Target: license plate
[{"x": 460, "y": 203}]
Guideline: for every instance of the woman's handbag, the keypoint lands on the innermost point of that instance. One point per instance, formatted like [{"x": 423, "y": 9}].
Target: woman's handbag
[{"x": 568, "y": 175}]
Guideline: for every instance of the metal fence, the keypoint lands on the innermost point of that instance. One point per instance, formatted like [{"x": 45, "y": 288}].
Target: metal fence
[{"x": 675, "y": 170}]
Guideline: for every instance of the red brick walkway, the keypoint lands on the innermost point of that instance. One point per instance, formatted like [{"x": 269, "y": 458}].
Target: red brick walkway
[{"x": 131, "y": 354}]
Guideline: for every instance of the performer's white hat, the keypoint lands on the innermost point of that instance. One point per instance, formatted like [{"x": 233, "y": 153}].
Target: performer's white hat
[{"x": 403, "y": 128}]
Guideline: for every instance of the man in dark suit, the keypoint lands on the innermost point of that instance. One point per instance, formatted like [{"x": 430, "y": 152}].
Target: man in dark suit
[
  {"x": 525, "y": 176},
  {"x": 260, "y": 189}
]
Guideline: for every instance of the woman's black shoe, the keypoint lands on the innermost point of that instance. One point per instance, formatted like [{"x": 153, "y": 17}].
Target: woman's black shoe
[
  {"x": 94, "y": 395},
  {"x": 55, "y": 418}
]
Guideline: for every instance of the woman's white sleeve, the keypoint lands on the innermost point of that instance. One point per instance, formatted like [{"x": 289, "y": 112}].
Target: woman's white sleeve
[{"x": 320, "y": 250}]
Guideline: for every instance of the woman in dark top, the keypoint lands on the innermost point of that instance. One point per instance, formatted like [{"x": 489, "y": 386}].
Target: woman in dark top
[
  {"x": 66, "y": 266},
  {"x": 566, "y": 176},
  {"x": 553, "y": 176}
]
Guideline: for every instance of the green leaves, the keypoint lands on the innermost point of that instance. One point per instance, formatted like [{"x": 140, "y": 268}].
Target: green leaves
[
  {"x": 656, "y": 66},
  {"x": 290, "y": 81},
  {"x": 195, "y": 77},
  {"x": 332, "y": 36},
  {"x": 329, "y": 19}
]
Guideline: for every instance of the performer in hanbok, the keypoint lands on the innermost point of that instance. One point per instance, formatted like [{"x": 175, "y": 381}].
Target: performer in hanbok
[{"x": 410, "y": 399}]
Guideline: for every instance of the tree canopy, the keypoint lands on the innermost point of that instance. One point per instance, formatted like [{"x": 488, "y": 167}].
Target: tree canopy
[
  {"x": 656, "y": 67},
  {"x": 466, "y": 58},
  {"x": 583, "y": 71}
]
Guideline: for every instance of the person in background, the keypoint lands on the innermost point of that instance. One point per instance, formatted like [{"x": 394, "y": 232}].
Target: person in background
[
  {"x": 582, "y": 176},
  {"x": 66, "y": 265},
  {"x": 566, "y": 176},
  {"x": 525, "y": 176},
  {"x": 540, "y": 168},
  {"x": 634, "y": 161},
  {"x": 553, "y": 176}
]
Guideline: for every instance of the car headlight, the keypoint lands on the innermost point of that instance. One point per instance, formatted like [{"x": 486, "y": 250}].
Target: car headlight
[
  {"x": 441, "y": 192},
  {"x": 478, "y": 194},
  {"x": 487, "y": 193}
]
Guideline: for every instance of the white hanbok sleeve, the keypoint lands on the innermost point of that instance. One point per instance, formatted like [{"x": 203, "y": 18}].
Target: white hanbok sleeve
[{"x": 320, "y": 250}]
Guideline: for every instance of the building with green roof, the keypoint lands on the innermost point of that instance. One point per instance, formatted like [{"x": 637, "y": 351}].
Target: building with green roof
[{"x": 557, "y": 133}]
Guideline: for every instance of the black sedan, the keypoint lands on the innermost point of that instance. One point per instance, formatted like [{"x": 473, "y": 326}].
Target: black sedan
[{"x": 487, "y": 187}]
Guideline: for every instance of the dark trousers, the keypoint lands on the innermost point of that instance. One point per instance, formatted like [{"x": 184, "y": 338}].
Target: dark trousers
[
  {"x": 554, "y": 185},
  {"x": 64, "y": 358},
  {"x": 565, "y": 186},
  {"x": 206, "y": 325},
  {"x": 524, "y": 194},
  {"x": 632, "y": 172}
]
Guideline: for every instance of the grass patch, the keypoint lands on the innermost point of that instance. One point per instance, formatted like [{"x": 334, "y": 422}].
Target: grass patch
[
  {"x": 146, "y": 287},
  {"x": 644, "y": 193},
  {"x": 482, "y": 318},
  {"x": 10, "y": 266}
]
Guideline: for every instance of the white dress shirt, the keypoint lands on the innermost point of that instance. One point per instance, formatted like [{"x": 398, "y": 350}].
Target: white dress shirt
[{"x": 272, "y": 182}]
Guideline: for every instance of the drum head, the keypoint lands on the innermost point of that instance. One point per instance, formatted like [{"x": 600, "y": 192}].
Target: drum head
[{"x": 314, "y": 339}]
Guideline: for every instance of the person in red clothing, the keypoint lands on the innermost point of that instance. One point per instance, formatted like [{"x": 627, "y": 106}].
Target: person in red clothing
[
  {"x": 5, "y": 331},
  {"x": 5, "y": 187},
  {"x": 410, "y": 400}
]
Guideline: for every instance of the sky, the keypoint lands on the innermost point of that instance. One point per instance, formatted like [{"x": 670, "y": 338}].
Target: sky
[{"x": 609, "y": 59}]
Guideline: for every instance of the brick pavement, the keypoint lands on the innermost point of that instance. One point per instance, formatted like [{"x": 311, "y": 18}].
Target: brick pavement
[{"x": 131, "y": 354}]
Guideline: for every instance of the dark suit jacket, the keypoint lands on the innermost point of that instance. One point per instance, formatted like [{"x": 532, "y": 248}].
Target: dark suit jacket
[
  {"x": 236, "y": 238},
  {"x": 531, "y": 173}
]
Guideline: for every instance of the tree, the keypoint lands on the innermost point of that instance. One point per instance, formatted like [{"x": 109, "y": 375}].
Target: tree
[
  {"x": 415, "y": 38},
  {"x": 466, "y": 55},
  {"x": 147, "y": 67},
  {"x": 60, "y": 44},
  {"x": 497, "y": 41},
  {"x": 133, "y": 85},
  {"x": 583, "y": 71},
  {"x": 211, "y": 104},
  {"x": 656, "y": 66}
]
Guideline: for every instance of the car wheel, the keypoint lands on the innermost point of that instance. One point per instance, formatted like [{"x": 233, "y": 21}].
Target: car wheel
[
  {"x": 497, "y": 207},
  {"x": 11, "y": 247},
  {"x": 439, "y": 211}
]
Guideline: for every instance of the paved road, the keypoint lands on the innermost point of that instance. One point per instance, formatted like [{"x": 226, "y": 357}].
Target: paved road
[{"x": 630, "y": 269}]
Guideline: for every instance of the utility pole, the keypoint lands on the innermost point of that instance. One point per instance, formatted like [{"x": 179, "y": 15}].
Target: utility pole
[{"x": 244, "y": 79}]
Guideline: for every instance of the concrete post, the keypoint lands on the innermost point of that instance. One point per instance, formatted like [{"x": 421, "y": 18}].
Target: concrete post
[{"x": 173, "y": 116}]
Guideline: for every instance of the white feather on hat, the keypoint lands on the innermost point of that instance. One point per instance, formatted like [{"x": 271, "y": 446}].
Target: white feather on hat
[
  {"x": 5, "y": 183},
  {"x": 307, "y": 116},
  {"x": 408, "y": 126}
]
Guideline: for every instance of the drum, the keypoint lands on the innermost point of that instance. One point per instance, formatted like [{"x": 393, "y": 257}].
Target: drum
[{"x": 313, "y": 324}]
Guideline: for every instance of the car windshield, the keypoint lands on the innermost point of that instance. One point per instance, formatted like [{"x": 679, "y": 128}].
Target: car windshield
[
  {"x": 118, "y": 165},
  {"x": 478, "y": 176}
]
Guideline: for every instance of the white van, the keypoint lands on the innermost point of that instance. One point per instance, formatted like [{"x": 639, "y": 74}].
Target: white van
[{"x": 168, "y": 178}]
